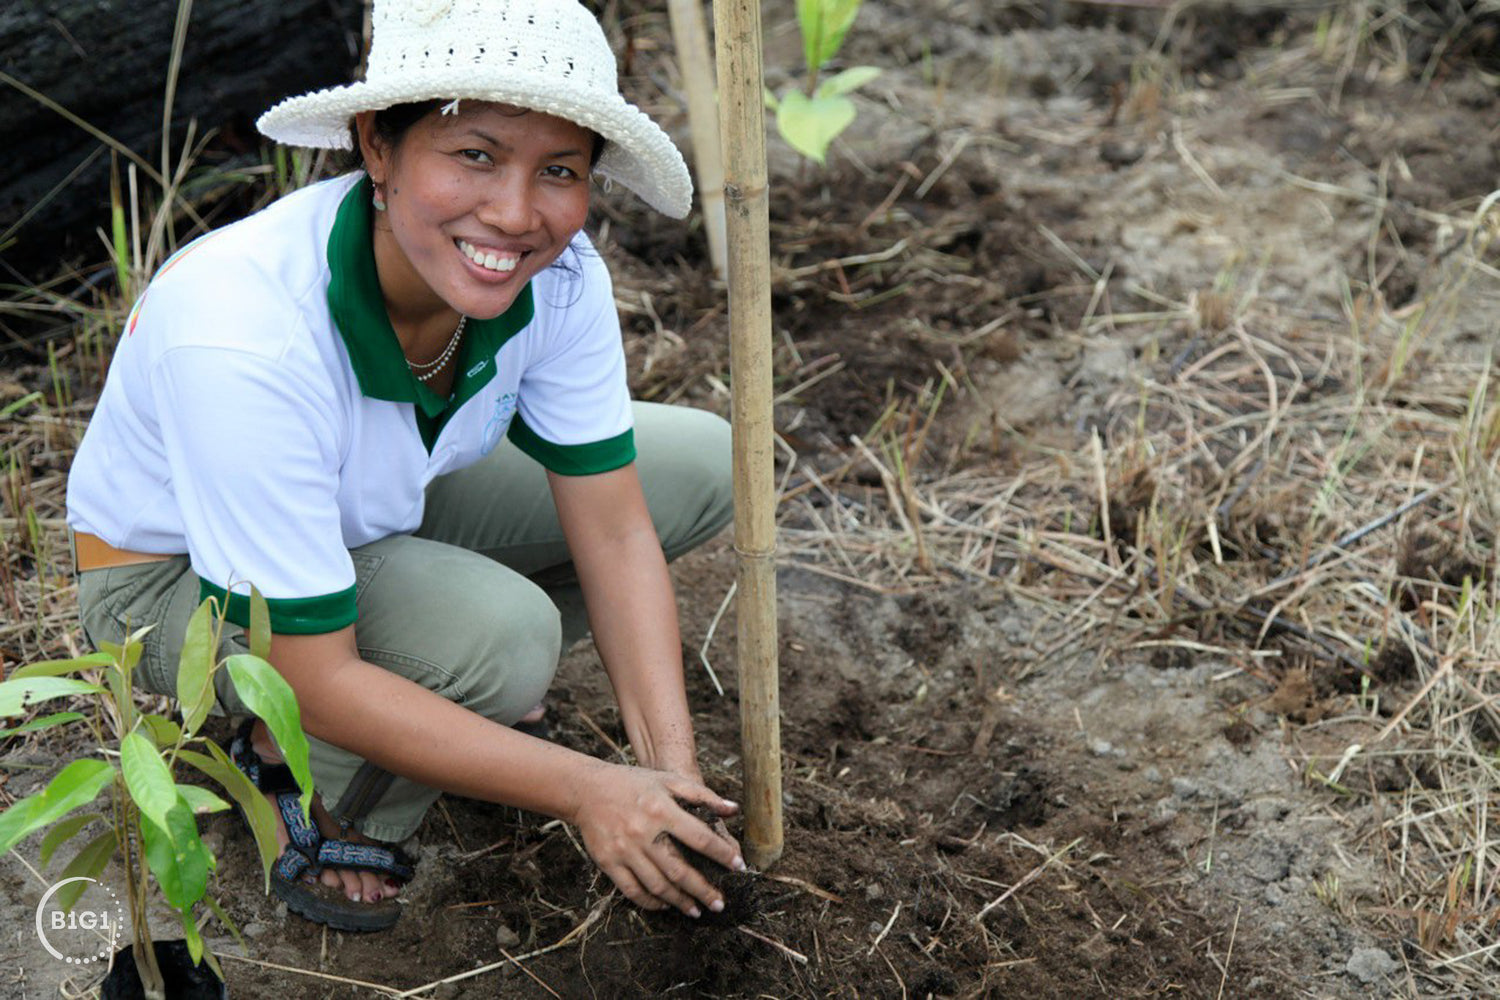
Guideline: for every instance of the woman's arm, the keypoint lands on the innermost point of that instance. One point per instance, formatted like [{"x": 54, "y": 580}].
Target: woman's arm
[
  {"x": 633, "y": 615},
  {"x": 632, "y": 611},
  {"x": 416, "y": 733}
]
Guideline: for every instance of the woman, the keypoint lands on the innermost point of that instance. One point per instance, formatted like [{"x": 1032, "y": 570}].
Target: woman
[{"x": 312, "y": 400}]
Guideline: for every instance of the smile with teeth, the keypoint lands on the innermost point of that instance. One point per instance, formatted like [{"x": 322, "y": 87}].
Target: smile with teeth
[{"x": 490, "y": 261}]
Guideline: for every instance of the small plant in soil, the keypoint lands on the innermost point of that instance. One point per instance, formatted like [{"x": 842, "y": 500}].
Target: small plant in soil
[
  {"x": 811, "y": 118},
  {"x": 149, "y": 819}
]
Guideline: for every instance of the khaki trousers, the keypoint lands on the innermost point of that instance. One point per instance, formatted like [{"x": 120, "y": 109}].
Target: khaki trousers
[{"x": 476, "y": 605}]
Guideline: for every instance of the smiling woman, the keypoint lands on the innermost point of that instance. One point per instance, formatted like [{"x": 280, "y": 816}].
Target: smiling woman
[
  {"x": 474, "y": 204},
  {"x": 387, "y": 403}
]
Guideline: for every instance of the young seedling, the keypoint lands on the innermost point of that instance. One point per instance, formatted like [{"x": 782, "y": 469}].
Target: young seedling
[
  {"x": 150, "y": 819},
  {"x": 811, "y": 118}
]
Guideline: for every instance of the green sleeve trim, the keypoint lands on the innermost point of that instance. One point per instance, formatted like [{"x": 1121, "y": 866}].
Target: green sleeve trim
[
  {"x": 292, "y": 615},
  {"x": 574, "y": 459}
]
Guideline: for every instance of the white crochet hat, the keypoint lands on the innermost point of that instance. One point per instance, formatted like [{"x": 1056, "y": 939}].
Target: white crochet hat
[{"x": 546, "y": 55}]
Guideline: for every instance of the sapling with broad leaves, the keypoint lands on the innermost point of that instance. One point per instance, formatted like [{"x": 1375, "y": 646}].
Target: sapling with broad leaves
[
  {"x": 149, "y": 820},
  {"x": 810, "y": 119}
]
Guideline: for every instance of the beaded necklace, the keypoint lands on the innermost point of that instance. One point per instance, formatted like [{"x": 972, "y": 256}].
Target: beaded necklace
[{"x": 427, "y": 369}]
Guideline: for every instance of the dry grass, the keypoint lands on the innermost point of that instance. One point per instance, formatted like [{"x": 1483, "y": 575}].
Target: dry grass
[
  {"x": 38, "y": 436},
  {"x": 1288, "y": 491},
  {"x": 1323, "y": 492}
]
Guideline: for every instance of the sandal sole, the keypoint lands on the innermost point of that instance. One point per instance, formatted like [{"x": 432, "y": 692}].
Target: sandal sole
[
  {"x": 317, "y": 902},
  {"x": 325, "y": 905}
]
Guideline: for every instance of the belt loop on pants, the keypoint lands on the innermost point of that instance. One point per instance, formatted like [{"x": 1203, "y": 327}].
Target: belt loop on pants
[{"x": 93, "y": 552}]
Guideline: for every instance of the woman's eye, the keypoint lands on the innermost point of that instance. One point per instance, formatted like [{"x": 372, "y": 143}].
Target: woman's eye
[
  {"x": 475, "y": 155},
  {"x": 560, "y": 171}
]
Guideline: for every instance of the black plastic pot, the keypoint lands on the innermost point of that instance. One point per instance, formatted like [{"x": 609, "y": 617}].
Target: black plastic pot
[{"x": 184, "y": 980}]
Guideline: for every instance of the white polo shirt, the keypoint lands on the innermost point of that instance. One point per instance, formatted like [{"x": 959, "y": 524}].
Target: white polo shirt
[{"x": 259, "y": 414}]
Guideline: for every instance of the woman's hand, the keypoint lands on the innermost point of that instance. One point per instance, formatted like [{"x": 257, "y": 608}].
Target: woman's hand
[{"x": 628, "y": 818}]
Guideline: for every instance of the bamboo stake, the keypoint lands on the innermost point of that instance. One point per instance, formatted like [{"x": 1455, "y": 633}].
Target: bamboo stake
[
  {"x": 738, "y": 34},
  {"x": 691, "y": 36}
]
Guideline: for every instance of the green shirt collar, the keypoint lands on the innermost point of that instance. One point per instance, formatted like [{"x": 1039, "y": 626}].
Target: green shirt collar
[{"x": 358, "y": 308}]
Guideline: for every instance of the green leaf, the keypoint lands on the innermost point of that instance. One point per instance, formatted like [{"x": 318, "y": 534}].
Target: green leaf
[
  {"x": 213, "y": 963},
  {"x": 53, "y": 668},
  {"x": 770, "y": 99},
  {"x": 45, "y": 722},
  {"x": 266, "y": 693},
  {"x": 810, "y": 21},
  {"x": 177, "y": 856},
  {"x": 117, "y": 674},
  {"x": 90, "y": 861},
  {"x": 162, "y": 730},
  {"x": 259, "y": 634},
  {"x": 137, "y": 637},
  {"x": 824, "y": 24},
  {"x": 190, "y": 932},
  {"x": 126, "y": 656},
  {"x": 213, "y": 904},
  {"x": 848, "y": 81},
  {"x": 63, "y": 832},
  {"x": 253, "y": 804},
  {"x": 18, "y": 695},
  {"x": 201, "y": 800},
  {"x": 809, "y": 125},
  {"x": 839, "y": 18},
  {"x": 195, "y": 689},
  {"x": 147, "y": 778},
  {"x": 76, "y": 785}
]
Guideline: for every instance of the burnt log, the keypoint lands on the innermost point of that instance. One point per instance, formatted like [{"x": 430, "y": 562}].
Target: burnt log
[{"x": 106, "y": 61}]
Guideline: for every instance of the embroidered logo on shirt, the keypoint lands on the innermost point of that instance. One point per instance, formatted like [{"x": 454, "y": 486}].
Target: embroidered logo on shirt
[{"x": 505, "y": 408}]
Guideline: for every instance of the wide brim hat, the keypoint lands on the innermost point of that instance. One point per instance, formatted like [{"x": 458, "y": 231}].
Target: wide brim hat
[{"x": 549, "y": 56}]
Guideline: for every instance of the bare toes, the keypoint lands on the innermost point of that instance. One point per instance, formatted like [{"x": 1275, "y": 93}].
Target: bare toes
[
  {"x": 356, "y": 885},
  {"x": 370, "y": 887},
  {"x": 351, "y": 885}
]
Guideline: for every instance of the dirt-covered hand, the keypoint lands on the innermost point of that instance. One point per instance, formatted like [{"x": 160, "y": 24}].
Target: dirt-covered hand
[{"x": 628, "y": 822}]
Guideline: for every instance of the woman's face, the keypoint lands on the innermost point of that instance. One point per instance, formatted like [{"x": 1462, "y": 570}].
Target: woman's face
[{"x": 477, "y": 204}]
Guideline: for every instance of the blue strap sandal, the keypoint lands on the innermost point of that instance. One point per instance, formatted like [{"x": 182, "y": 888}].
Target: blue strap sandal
[{"x": 294, "y": 876}]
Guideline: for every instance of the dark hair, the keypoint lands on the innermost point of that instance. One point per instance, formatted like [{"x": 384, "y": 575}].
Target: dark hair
[{"x": 392, "y": 124}]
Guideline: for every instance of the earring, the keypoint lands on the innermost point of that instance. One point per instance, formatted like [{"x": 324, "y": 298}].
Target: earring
[{"x": 377, "y": 201}]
